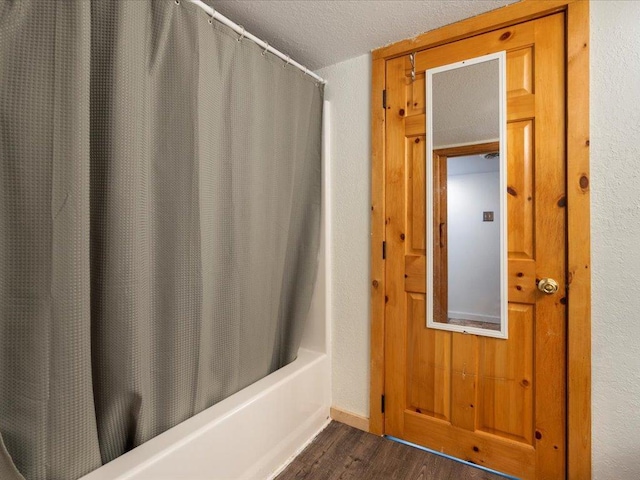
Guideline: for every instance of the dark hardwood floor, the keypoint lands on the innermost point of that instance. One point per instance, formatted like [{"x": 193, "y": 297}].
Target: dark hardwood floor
[{"x": 342, "y": 452}]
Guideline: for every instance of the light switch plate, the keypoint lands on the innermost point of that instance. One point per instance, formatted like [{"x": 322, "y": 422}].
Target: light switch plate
[{"x": 487, "y": 216}]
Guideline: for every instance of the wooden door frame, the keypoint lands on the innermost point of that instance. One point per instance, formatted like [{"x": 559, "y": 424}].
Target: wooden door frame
[{"x": 578, "y": 207}]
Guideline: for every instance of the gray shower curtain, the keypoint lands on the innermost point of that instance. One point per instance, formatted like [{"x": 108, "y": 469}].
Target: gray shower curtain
[{"x": 159, "y": 224}]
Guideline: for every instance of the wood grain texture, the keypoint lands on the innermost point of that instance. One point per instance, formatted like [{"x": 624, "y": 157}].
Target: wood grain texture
[
  {"x": 481, "y": 448},
  {"x": 440, "y": 241},
  {"x": 510, "y": 38},
  {"x": 464, "y": 381},
  {"x": 496, "y": 402},
  {"x": 416, "y": 231},
  {"x": 550, "y": 247},
  {"x": 522, "y": 278},
  {"x": 579, "y": 253},
  {"x": 429, "y": 364},
  {"x": 342, "y": 452},
  {"x": 351, "y": 419},
  {"x": 521, "y": 101},
  {"x": 376, "y": 417},
  {"x": 520, "y": 182},
  {"x": 505, "y": 379},
  {"x": 396, "y": 224},
  {"x": 510, "y": 15},
  {"x": 465, "y": 150}
]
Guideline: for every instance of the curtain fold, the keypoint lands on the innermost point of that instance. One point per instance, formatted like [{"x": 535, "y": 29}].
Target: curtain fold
[{"x": 159, "y": 224}]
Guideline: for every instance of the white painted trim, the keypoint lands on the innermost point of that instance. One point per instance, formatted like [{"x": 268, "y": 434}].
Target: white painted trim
[
  {"x": 504, "y": 253},
  {"x": 504, "y": 331},
  {"x": 327, "y": 222}
]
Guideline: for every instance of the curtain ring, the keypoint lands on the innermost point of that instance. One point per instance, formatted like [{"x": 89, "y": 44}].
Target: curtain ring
[
  {"x": 241, "y": 35},
  {"x": 288, "y": 61},
  {"x": 265, "y": 49}
]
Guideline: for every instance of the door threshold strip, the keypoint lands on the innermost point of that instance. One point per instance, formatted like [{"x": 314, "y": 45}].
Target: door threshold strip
[{"x": 471, "y": 464}]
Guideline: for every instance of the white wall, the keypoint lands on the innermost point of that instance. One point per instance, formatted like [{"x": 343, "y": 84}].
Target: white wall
[
  {"x": 473, "y": 246},
  {"x": 615, "y": 207},
  {"x": 349, "y": 84},
  {"x": 615, "y": 184}
]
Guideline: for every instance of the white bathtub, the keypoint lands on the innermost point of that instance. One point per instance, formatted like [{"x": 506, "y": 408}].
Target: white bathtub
[
  {"x": 253, "y": 434},
  {"x": 250, "y": 435}
]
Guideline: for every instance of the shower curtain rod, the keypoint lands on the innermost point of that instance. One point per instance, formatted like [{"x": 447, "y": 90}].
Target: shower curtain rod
[{"x": 244, "y": 34}]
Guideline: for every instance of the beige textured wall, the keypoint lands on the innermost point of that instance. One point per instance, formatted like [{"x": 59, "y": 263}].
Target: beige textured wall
[
  {"x": 615, "y": 209},
  {"x": 349, "y": 84}
]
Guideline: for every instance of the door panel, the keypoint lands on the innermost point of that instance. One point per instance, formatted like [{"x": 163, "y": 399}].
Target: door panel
[
  {"x": 429, "y": 368},
  {"x": 520, "y": 189},
  {"x": 416, "y": 197},
  {"x": 505, "y": 379},
  {"x": 498, "y": 403}
]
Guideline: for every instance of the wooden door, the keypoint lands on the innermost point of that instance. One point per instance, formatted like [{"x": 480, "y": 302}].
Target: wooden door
[{"x": 498, "y": 403}]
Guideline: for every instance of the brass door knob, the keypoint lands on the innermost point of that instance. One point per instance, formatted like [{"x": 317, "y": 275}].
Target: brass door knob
[{"x": 548, "y": 286}]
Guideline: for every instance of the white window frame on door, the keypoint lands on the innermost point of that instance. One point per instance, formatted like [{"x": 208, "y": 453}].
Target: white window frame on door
[{"x": 504, "y": 278}]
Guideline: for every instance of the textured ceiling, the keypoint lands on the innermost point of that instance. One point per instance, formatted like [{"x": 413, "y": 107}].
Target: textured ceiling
[
  {"x": 466, "y": 104},
  {"x": 318, "y": 33}
]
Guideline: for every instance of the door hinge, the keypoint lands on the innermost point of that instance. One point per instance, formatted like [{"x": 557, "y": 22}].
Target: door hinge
[
  {"x": 382, "y": 403},
  {"x": 384, "y": 99},
  {"x": 384, "y": 250}
]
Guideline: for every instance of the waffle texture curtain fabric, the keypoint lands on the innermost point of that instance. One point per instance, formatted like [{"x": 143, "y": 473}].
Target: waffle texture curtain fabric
[{"x": 159, "y": 224}]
